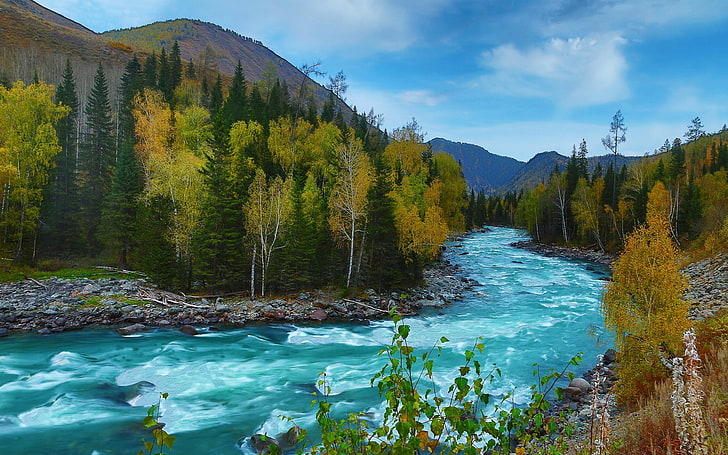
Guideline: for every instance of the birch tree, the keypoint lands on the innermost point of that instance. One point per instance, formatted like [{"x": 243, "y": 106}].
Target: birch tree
[
  {"x": 348, "y": 201},
  {"x": 266, "y": 213},
  {"x": 171, "y": 162},
  {"x": 28, "y": 145}
]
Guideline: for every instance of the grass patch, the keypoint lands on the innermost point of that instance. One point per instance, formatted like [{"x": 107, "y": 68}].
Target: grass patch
[
  {"x": 9, "y": 273},
  {"x": 103, "y": 300}
]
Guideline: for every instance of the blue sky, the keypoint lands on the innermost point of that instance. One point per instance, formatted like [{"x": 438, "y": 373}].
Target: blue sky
[{"x": 517, "y": 77}]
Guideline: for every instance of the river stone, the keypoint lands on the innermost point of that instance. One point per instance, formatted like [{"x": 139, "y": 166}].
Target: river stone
[
  {"x": 609, "y": 357},
  {"x": 44, "y": 331},
  {"x": 581, "y": 384},
  {"x": 188, "y": 330},
  {"x": 318, "y": 315},
  {"x": 131, "y": 329},
  {"x": 3, "y": 332}
]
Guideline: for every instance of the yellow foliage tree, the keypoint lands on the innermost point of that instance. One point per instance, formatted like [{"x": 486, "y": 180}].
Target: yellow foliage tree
[
  {"x": 421, "y": 226},
  {"x": 453, "y": 198},
  {"x": 406, "y": 150},
  {"x": 348, "y": 201},
  {"x": 28, "y": 144},
  {"x": 643, "y": 303},
  {"x": 171, "y": 160},
  {"x": 587, "y": 208}
]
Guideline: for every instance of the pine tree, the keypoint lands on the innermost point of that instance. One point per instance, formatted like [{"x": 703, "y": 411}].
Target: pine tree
[
  {"x": 60, "y": 235},
  {"x": 235, "y": 107},
  {"x": 164, "y": 81},
  {"x": 154, "y": 252},
  {"x": 216, "y": 96},
  {"x": 119, "y": 213},
  {"x": 218, "y": 242},
  {"x": 96, "y": 159},
  {"x": 175, "y": 66},
  {"x": 295, "y": 269},
  {"x": 150, "y": 71}
]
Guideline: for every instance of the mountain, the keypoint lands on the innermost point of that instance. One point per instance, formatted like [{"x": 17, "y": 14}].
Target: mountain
[
  {"x": 491, "y": 173},
  {"x": 37, "y": 41},
  {"x": 536, "y": 170},
  {"x": 484, "y": 171},
  {"x": 539, "y": 168},
  {"x": 212, "y": 47}
]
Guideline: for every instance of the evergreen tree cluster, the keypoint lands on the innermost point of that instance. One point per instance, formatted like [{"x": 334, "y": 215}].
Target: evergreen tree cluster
[
  {"x": 599, "y": 209},
  {"x": 240, "y": 186}
]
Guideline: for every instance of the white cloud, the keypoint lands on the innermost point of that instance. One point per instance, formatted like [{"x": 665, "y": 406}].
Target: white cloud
[
  {"x": 424, "y": 97},
  {"x": 326, "y": 27},
  {"x": 573, "y": 72}
]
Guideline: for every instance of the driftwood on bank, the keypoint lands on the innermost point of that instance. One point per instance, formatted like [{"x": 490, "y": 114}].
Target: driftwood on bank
[
  {"x": 165, "y": 298},
  {"x": 375, "y": 308}
]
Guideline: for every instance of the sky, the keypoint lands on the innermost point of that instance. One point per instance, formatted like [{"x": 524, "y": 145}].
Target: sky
[{"x": 517, "y": 77}]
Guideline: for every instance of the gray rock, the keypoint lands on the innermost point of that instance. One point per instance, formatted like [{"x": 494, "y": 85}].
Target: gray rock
[
  {"x": 3, "y": 332},
  {"x": 44, "y": 331},
  {"x": 131, "y": 329},
  {"x": 581, "y": 384}
]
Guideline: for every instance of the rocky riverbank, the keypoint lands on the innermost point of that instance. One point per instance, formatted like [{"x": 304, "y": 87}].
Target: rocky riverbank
[
  {"x": 58, "y": 305},
  {"x": 581, "y": 254}
]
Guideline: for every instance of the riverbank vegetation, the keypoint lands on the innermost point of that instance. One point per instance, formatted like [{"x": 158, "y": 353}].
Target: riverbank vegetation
[
  {"x": 598, "y": 208},
  {"x": 219, "y": 186}
]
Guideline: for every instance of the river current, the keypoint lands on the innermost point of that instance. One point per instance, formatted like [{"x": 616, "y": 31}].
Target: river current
[{"x": 87, "y": 392}]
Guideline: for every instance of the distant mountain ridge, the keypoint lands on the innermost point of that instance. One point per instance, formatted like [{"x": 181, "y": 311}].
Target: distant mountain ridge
[
  {"x": 482, "y": 170},
  {"x": 495, "y": 174}
]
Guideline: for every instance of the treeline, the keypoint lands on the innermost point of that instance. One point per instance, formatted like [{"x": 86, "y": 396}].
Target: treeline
[
  {"x": 599, "y": 209},
  {"x": 200, "y": 184}
]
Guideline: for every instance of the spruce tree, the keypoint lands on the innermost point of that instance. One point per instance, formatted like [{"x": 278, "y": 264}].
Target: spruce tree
[
  {"x": 96, "y": 159},
  {"x": 216, "y": 96},
  {"x": 175, "y": 66},
  {"x": 235, "y": 107},
  {"x": 164, "y": 81},
  {"x": 150, "y": 71},
  {"x": 119, "y": 212},
  {"x": 60, "y": 236}
]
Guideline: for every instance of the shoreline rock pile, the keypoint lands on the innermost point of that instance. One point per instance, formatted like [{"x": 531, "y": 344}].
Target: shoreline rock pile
[
  {"x": 708, "y": 291},
  {"x": 59, "y": 305}
]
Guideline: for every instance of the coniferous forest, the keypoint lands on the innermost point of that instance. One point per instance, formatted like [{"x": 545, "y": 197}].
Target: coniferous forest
[{"x": 210, "y": 182}]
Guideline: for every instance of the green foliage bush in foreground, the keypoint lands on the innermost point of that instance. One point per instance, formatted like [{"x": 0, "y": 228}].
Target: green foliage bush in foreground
[{"x": 421, "y": 418}]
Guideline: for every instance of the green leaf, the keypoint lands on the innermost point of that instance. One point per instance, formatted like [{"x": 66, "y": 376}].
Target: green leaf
[
  {"x": 437, "y": 426},
  {"x": 403, "y": 331},
  {"x": 444, "y": 340}
]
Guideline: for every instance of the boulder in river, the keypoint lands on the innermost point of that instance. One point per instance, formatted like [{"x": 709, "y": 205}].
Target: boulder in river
[
  {"x": 188, "y": 330},
  {"x": 131, "y": 329},
  {"x": 262, "y": 444},
  {"x": 289, "y": 439}
]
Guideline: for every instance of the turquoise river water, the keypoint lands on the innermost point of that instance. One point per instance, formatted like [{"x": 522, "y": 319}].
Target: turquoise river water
[{"x": 87, "y": 392}]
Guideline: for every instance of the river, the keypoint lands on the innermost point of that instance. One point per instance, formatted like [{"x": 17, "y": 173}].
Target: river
[{"x": 87, "y": 392}]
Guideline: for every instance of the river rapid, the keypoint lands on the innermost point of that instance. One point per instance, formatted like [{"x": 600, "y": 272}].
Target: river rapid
[{"x": 87, "y": 392}]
